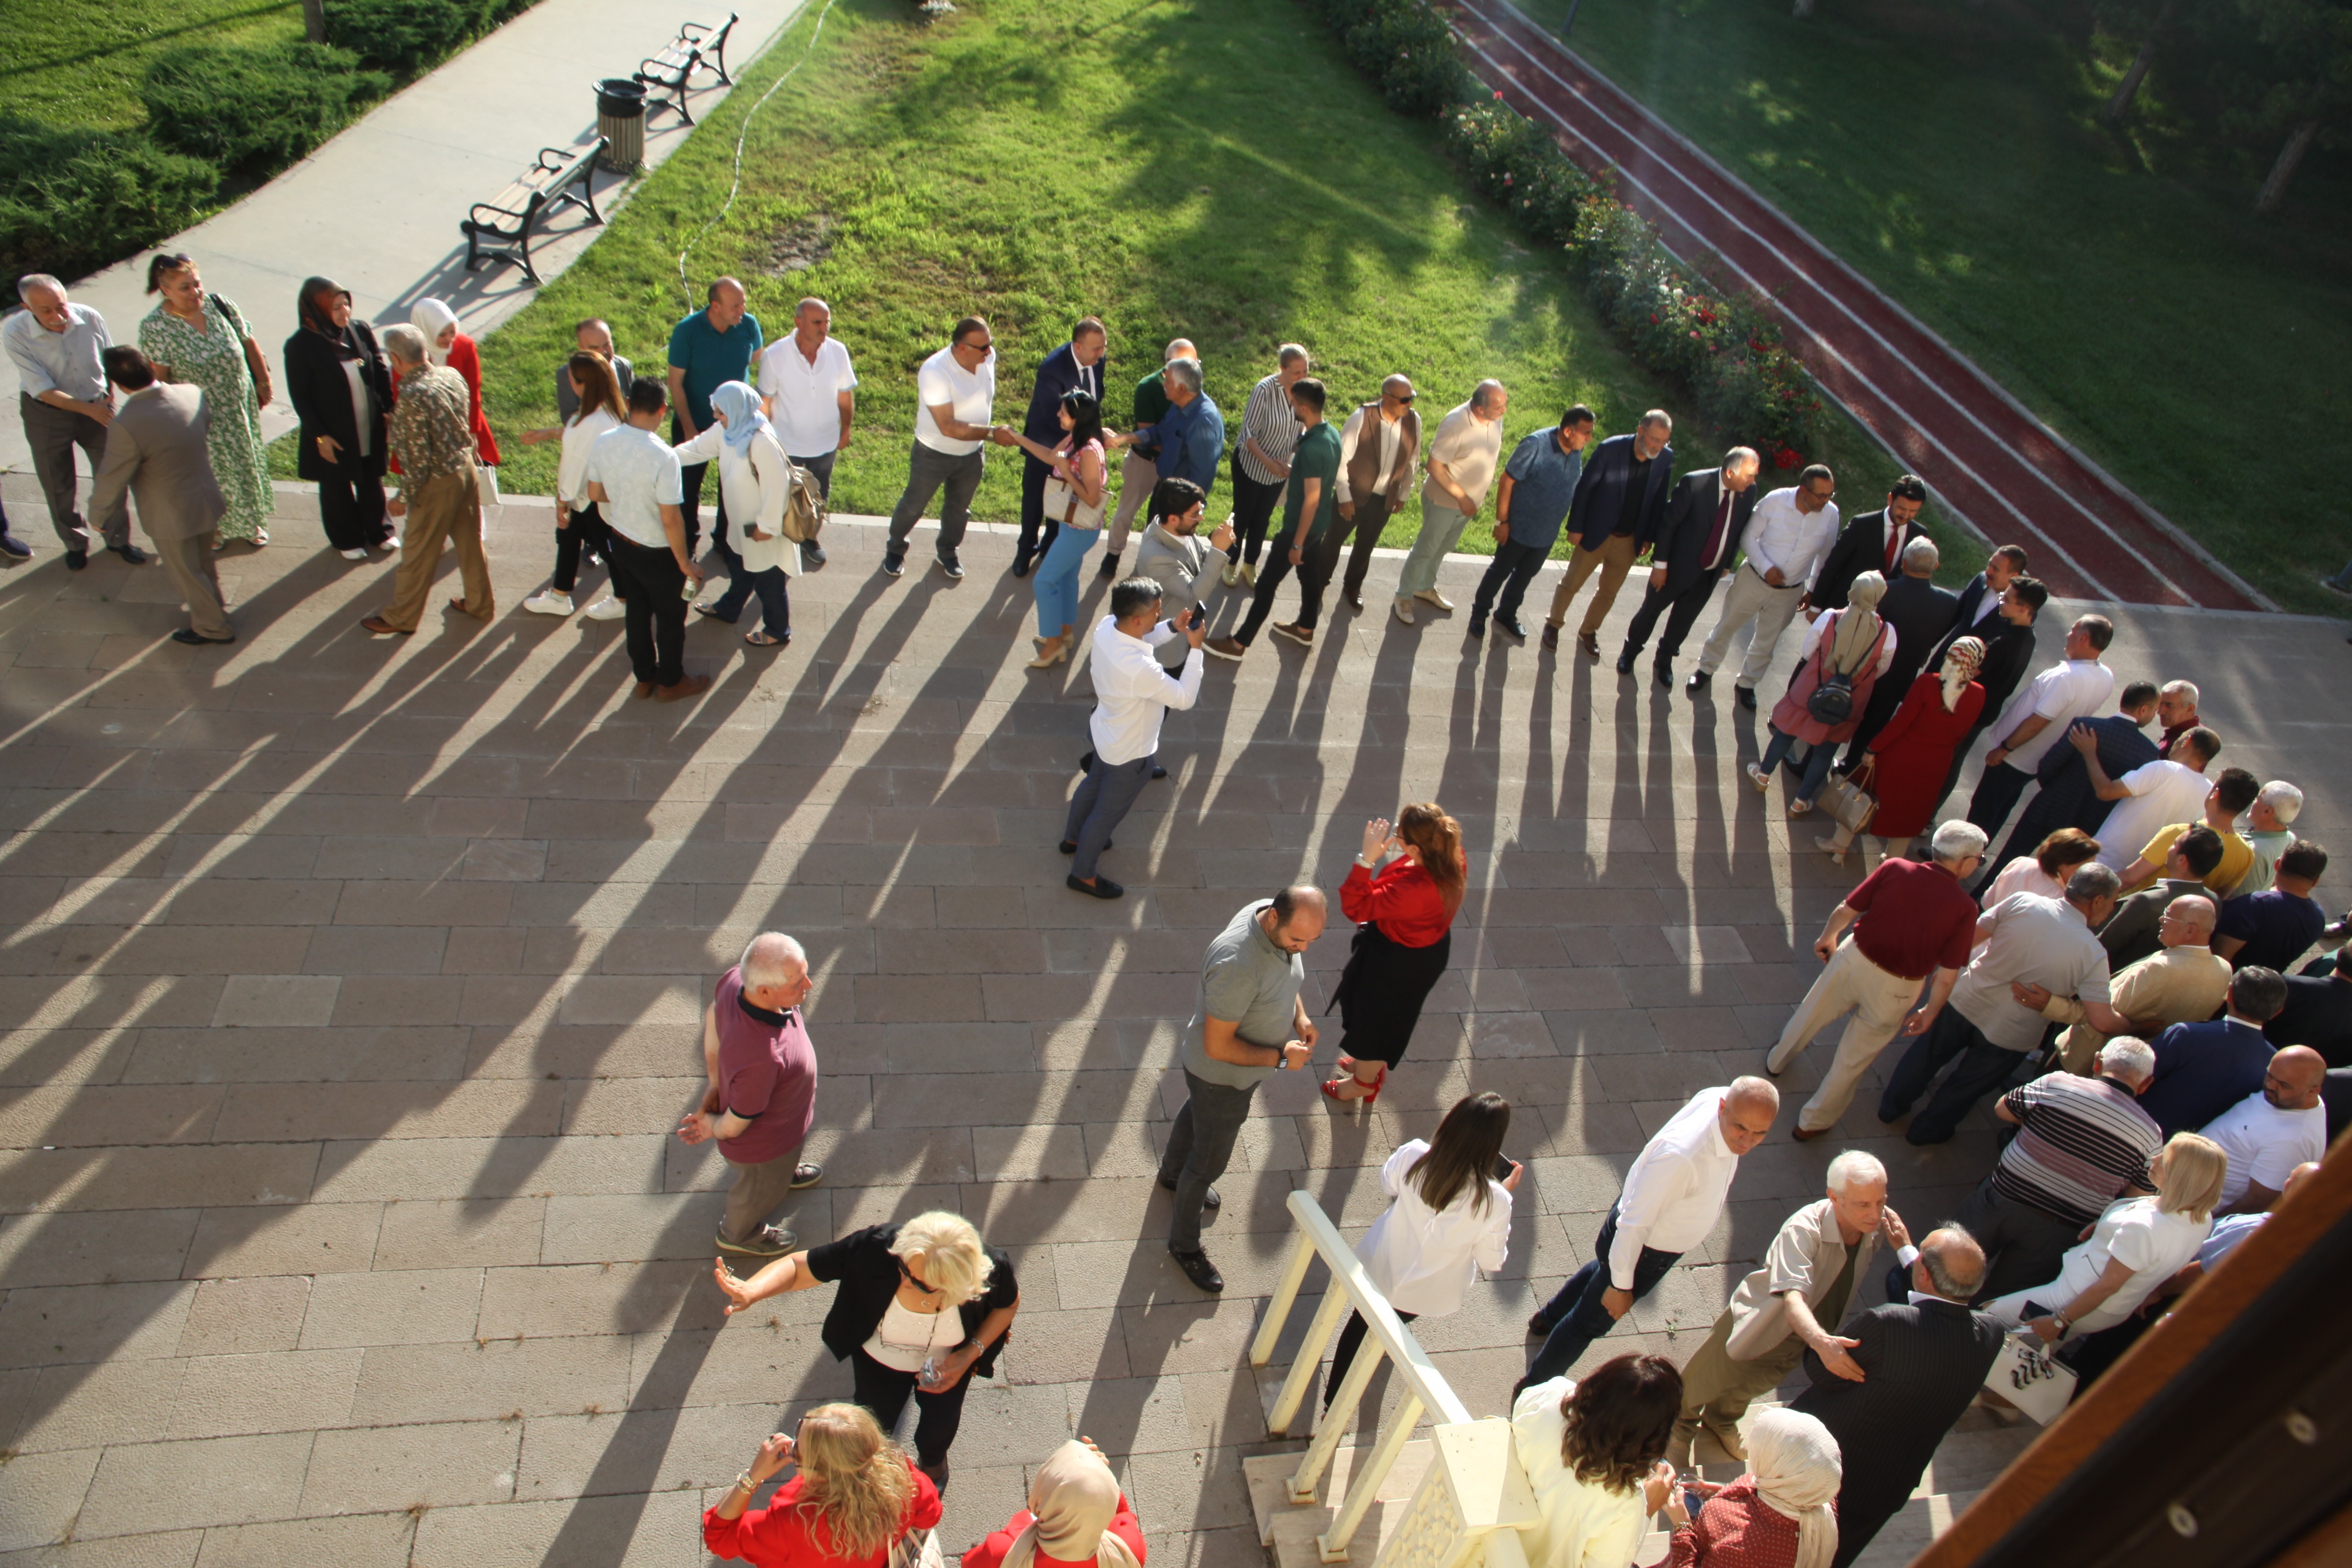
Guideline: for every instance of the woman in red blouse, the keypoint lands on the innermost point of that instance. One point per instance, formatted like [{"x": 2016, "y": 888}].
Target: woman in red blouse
[
  {"x": 1404, "y": 933},
  {"x": 856, "y": 1495},
  {"x": 1076, "y": 1517}
]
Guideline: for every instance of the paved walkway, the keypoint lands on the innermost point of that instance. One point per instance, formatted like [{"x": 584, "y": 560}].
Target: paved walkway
[
  {"x": 377, "y": 208},
  {"x": 349, "y": 992},
  {"x": 1995, "y": 466}
]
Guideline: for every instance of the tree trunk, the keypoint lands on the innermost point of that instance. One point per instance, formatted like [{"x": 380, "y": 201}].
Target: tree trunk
[
  {"x": 2128, "y": 88},
  {"x": 314, "y": 20},
  {"x": 2297, "y": 144}
]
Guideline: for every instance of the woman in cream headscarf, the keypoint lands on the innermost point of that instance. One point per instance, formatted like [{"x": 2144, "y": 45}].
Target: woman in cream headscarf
[
  {"x": 1908, "y": 760},
  {"x": 1854, "y": 643},
  {"x": 1789, "y": 1493},
  {"x": 445, "y": 344},
  {"x": 1076, "y": 1517}
]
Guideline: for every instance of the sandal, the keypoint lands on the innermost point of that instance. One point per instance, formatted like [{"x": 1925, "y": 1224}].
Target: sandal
[
  {"x": 761, "y": 639},
  {"x": 1799, "y": 807}
]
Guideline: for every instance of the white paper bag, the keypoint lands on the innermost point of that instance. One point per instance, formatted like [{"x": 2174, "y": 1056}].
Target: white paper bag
[{"x": 2025, "y": 1376}]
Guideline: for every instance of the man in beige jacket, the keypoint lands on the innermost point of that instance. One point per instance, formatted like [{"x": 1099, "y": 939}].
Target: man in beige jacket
[
  {"x": 155, "y": 449},
  {"x": 1793, "y": 1304}
]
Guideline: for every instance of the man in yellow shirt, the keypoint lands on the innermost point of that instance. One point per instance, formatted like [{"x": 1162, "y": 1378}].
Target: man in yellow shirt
[{"x": 2231, "y": 795}]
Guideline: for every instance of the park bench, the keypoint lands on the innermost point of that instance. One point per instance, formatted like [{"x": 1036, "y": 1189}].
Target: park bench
[
  {"x": 502, "y": 229},
  {"x": 698, "y": 46}
]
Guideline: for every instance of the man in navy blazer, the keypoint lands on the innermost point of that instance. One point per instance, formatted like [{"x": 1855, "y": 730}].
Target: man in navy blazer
[
  {"x": 1619, "y": 505},
  {"x": 2203, "y": 1069},
  {"x": 1980, "y": 603},
  {"x": 1694, "y": 544},
  {"x": 1076, "y": 366}
]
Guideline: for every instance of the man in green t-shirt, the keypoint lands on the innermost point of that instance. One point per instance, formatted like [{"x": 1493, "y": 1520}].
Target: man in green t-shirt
[{"x": 1309, "y": 501}]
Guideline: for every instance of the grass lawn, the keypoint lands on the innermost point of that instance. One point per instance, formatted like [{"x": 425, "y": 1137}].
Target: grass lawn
[
  {"x": 82, "y": 64},
  {"x": 1203, "y": 168},
  {"x": 2119, "y": 283}
]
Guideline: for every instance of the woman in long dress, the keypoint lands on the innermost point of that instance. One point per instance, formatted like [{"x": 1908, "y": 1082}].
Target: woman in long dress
[
  {"x": 1908, "y": 761},
  {"x": 1403, "y": 936},
  {"x": 201, "y": 340}
]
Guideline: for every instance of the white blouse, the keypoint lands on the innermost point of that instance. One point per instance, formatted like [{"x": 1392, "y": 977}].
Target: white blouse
[
  {"x": 2155, "y": 1245},
  {"x": 571, "y": 471},
  {"x": 1425, "y": 1259},
  {"x": 906, "y": 1339},
  {"x": 362, "y": 400},
  {"x": 756, "y": 481}
]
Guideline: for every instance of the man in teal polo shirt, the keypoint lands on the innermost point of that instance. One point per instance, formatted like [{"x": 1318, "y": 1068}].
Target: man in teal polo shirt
[{"x": 713, "y": 346}]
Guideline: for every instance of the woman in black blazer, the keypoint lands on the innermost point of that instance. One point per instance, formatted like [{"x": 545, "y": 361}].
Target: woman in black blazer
[
  {"x": 890, "y": 1320},
  {"x": 346, "y": 461}
]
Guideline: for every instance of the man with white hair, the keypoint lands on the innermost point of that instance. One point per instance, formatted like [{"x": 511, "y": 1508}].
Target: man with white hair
[
  {"x": 1141, "y": 470},
  {"x": 1618, "y": 510},
  {"x": 431, "y": 438},
  {"x": 1791, "y": 1305},
  {"x": 1918, "y": 612},
  {"x": 1191, "y": 436},
  {"x": 1672, "y": 1195},
  {"x": 2176, "y": 712},
  {"x": 2268, "y": 833},
  {"x": 1462, "y": 453},
  {"x": 761, "y": 1096},
  {"x": 1911, "y": 922},
  {"x": 65, "y": 403}
]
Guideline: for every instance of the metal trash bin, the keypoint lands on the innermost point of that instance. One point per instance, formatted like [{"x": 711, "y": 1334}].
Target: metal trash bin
[{"x": 621, "y": 120}]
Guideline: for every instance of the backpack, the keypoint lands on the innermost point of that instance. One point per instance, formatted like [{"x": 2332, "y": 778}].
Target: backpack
[
  {"x": 1831, "y": 702},
  {"x": 804, "y": 508}
]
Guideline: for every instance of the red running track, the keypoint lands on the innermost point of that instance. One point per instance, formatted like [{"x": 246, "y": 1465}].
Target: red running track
[{"x": 1989, "y": 460}]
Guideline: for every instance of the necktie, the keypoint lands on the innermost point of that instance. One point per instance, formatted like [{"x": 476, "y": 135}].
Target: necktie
[
  {"x": 1712, "y": 556},
  {"x": 1894, "y": 546}
]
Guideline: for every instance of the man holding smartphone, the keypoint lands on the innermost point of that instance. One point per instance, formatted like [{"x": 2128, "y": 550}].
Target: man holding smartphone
[{"x": 1132, "y": 692}]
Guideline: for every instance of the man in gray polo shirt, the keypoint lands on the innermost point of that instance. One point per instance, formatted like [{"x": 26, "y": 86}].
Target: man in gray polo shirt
[{"x": 1249, "y": 1022}]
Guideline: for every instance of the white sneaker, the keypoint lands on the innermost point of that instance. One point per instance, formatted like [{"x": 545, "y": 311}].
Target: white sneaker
[
  {"x": 1403, "y": 608},
  {"x": 548, "y": 602},
  {"x": 354, "y": 554},
  {"x": 1231, "y": 575},
  {"x": 1432, "y": 596},
  {"x": 607, "y": 608}
]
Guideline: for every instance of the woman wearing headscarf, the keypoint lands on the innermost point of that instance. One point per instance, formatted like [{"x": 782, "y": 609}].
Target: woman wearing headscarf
[
  {"x": 1855, "y": 645},
  {"x": 1076, "y": 1517},
  {"x": 445, "y": 344},
  {"x": 755, "y": 484},
  {"x": 201, "y": 340},
  {"x": 856, "y": 1495},
  {"x": 1404, "y": 933},
  {"x": 1782, "y": 1513},
  {"x": 1908, "y": 761},
  {"x": 339, "y": 383}
]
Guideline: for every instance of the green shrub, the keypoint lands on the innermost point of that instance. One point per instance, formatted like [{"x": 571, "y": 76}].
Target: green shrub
[
  {"x": 403, "y": 36},
  {"x": 1406, "y": 47},
  {"x": 72, "y": 201},
  {"x": 254, "y": 109}
]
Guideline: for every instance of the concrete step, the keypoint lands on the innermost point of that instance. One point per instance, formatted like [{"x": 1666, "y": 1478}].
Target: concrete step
[{"x": 1290, "y": 1528}]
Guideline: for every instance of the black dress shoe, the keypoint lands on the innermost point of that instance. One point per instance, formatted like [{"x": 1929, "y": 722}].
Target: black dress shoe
[
  {"x": 1697, "y": 681},
  {"x": 76, "y": 559},
  {"x": 1198, "y": 1270},
  {"x": 188, "y": 635},
  {"x": 1021, "y": 567},
  {"x": 1624, "y": 664},
  {"x": 1211, "y": 1202},
  {"x": 1111, "y": 565},
  {"x": 1477, "y": 630},
  {"x": 1747, "y": 695},
  {"x": 1158, "y": 772},
  {"x": 1666, "y": 673},
  {"x": 132, "y": 553},
  {"x": 1102, "y": 887},
  {"x": 1510, "y": 624}
]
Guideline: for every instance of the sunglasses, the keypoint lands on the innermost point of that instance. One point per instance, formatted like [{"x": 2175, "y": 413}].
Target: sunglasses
[
  {"x": 1407, "y": 398},
  {"x": 908, "y": 1276}
]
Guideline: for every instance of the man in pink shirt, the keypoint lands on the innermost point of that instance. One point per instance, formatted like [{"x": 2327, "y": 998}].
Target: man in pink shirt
[{"x": 762, "y": 1092}]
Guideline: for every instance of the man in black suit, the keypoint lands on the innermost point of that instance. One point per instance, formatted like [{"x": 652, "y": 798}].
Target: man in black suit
[
  {"x": 2318, "y": 1010},
  {"x": 2008, "y": 634},
  {"x": 1621, "y": 502},
  {"x": 1982, "y": 599},
  {"x": 1920, "y": 1363},
  {"x": 1918, "y": 611},
  {"x": 1873, "y": 542},
  {"x": 1704, "y": 518}
]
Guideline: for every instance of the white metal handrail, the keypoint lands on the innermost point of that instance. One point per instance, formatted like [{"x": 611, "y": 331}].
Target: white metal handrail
[{"x": 1386, "y": 1338}]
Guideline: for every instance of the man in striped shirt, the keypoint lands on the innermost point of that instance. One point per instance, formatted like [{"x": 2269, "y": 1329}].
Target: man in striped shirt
[{"x": 1262, "y": 460}]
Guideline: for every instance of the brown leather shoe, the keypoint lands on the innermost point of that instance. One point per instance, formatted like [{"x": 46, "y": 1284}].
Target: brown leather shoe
[
  {"x": 1806, "y": 1134},
  {"x": 643, "y": 688},
  {"x": 1590, "y": 644},
  {"x": 687, "y": 686},
  {"x": 385, "y": 629},
  {"x": 1551, "y": 637}
]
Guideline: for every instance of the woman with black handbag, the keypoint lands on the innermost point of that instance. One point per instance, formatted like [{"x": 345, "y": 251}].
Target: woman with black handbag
[{"x": 1845, "y": 651}]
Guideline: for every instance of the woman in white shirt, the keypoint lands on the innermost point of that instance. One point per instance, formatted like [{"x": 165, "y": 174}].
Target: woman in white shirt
[
  {"x": 2134, "y": 1246},
  {"x": 755, "y": 478},
  {"x": 1594, "y": 1453},
  {"x": 579, "y": 527},
  {"x": 1449, "y": 1218}
]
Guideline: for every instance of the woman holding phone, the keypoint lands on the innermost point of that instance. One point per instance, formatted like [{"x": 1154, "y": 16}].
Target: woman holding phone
[
  {"x": 1404, "y": 933},
  {"x": 858, "y": 1495}
]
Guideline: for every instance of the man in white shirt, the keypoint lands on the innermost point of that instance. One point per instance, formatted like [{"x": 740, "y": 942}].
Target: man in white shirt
[
  {"x": 65, "y": 403},
  {"x": 808, "y": 389},
  {"x": 1672, "y": 1198},
  {"x": 2039, "y": 717},
  {"x": 2271, "y": 1131},
  {"x": 2150, "y": 798},
  {"x": 1132, "y": 693},
  {"x": 1788, "y": 536},
  {"x": 635, "y": 481},
  {"x": 1462, "y": 458},
  {"x": 955, "y": 398}
]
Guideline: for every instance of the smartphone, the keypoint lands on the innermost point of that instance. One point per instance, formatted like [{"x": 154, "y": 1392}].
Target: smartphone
[
  {"x": 1503, "y": 1167},
  {"x": 1693, "y": 1500},
  {"x": 1200, "y": 613}
]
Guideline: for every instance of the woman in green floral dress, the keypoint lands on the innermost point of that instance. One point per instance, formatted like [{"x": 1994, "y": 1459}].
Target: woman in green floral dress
[{"x": 200, "y": 340}]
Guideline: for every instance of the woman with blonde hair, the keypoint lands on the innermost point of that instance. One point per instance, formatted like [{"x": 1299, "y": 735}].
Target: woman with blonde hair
[
  {"x": 855, "y": 1497},
  {"x": 2134, "y": 1246},
  {"x": 1076, "y": 1517},
  {"x": 922, "y": 1306},
  {"x": 1404, "y": 933},
  {"x": 1782, "y": 1514}
]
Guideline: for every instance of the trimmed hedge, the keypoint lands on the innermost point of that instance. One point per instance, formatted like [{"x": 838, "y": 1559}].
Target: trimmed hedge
[
  {"x": 253, "y": 110},
  {"x": 404, "y": 36},
  {"x": 73, "y": 201},
  {"x": 1725, "y": 350}
]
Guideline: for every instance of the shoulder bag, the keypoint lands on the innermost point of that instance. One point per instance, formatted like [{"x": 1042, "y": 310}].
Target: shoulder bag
[{"x": 1849, "y": 805}]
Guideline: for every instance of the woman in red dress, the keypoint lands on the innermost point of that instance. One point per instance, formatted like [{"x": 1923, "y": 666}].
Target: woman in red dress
[
  {"x": 1404, "y": 933},
  {"x": 858, "y": 1495},
  {"x": 1906, "y": 765},
  {"x": 1076, "y": 1517}
]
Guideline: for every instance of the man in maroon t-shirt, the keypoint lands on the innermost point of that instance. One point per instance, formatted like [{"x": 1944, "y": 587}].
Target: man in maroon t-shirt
[
  {"x": 1910, "y": 920},
  {"x": 762, "y": 1093}
]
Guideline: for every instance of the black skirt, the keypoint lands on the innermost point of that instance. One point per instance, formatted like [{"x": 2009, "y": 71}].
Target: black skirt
[{"x": 1381, "y": 993}]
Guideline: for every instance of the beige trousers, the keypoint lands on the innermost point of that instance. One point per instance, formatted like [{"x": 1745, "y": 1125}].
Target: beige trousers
[
  {"x": 1615, "y": 558},
  {"x": 1878, "y": 1001},
  {"x": 193, "y": 572},
  {"x": 759, "y": 1190},
  {"x": 1717, "y": 1390},
  {"x": 446, "y": 508},
  {"x": 1136, "y": 477}
]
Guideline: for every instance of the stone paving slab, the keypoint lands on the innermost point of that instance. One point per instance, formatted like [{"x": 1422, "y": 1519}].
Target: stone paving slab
[{"x": 349, "y": 989}]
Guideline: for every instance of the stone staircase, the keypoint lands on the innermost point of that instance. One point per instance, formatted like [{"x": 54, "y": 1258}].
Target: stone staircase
[{"x": 1975, "y": 1451}]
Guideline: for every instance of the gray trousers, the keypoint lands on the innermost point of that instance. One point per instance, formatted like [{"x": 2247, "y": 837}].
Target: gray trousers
[
  {"x": 759, "y": 1190},
  {"x": 1105, "y": 796},
  {"x": 927, "y": 471},
  {"x": 1200, "y": 1145},
  {"x": 189, "y": 562},
  {"x": 53, "y": 433}
]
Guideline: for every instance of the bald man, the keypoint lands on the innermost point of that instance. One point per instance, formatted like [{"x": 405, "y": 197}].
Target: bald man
[
  {"x": 2183, "y": 981},
  {"x": 762, "y": 1095},
  {"x": 809, "y": 389},
  {"x": 1672, "y": 1198},
  {"x": 1378, "y": 446},
  {"x": 2273, "y": 1131},
  {"x": 715, "y": 345}
]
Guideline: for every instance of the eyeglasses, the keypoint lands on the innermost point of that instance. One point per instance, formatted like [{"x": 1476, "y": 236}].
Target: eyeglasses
[{"x": 980, "y": 347}]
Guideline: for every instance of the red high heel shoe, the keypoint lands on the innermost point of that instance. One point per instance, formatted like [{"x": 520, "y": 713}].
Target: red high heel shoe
[{"x": 1332, "y": 1089}]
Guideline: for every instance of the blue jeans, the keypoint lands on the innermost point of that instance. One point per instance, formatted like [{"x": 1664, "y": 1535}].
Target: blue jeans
[
  {"x": 1577, "y": 1313},
  {"x": 775, "y": 609},
  {"x": 1814, "y": 763},
  {"x": 1056, "y": 582}
]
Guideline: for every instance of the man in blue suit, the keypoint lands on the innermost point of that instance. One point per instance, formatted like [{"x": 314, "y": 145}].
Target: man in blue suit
[
  {"x": 1621, "y": 502},
  {"x": 1076, "y": 366},
  {"x": 2203, "y": 1069}
]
